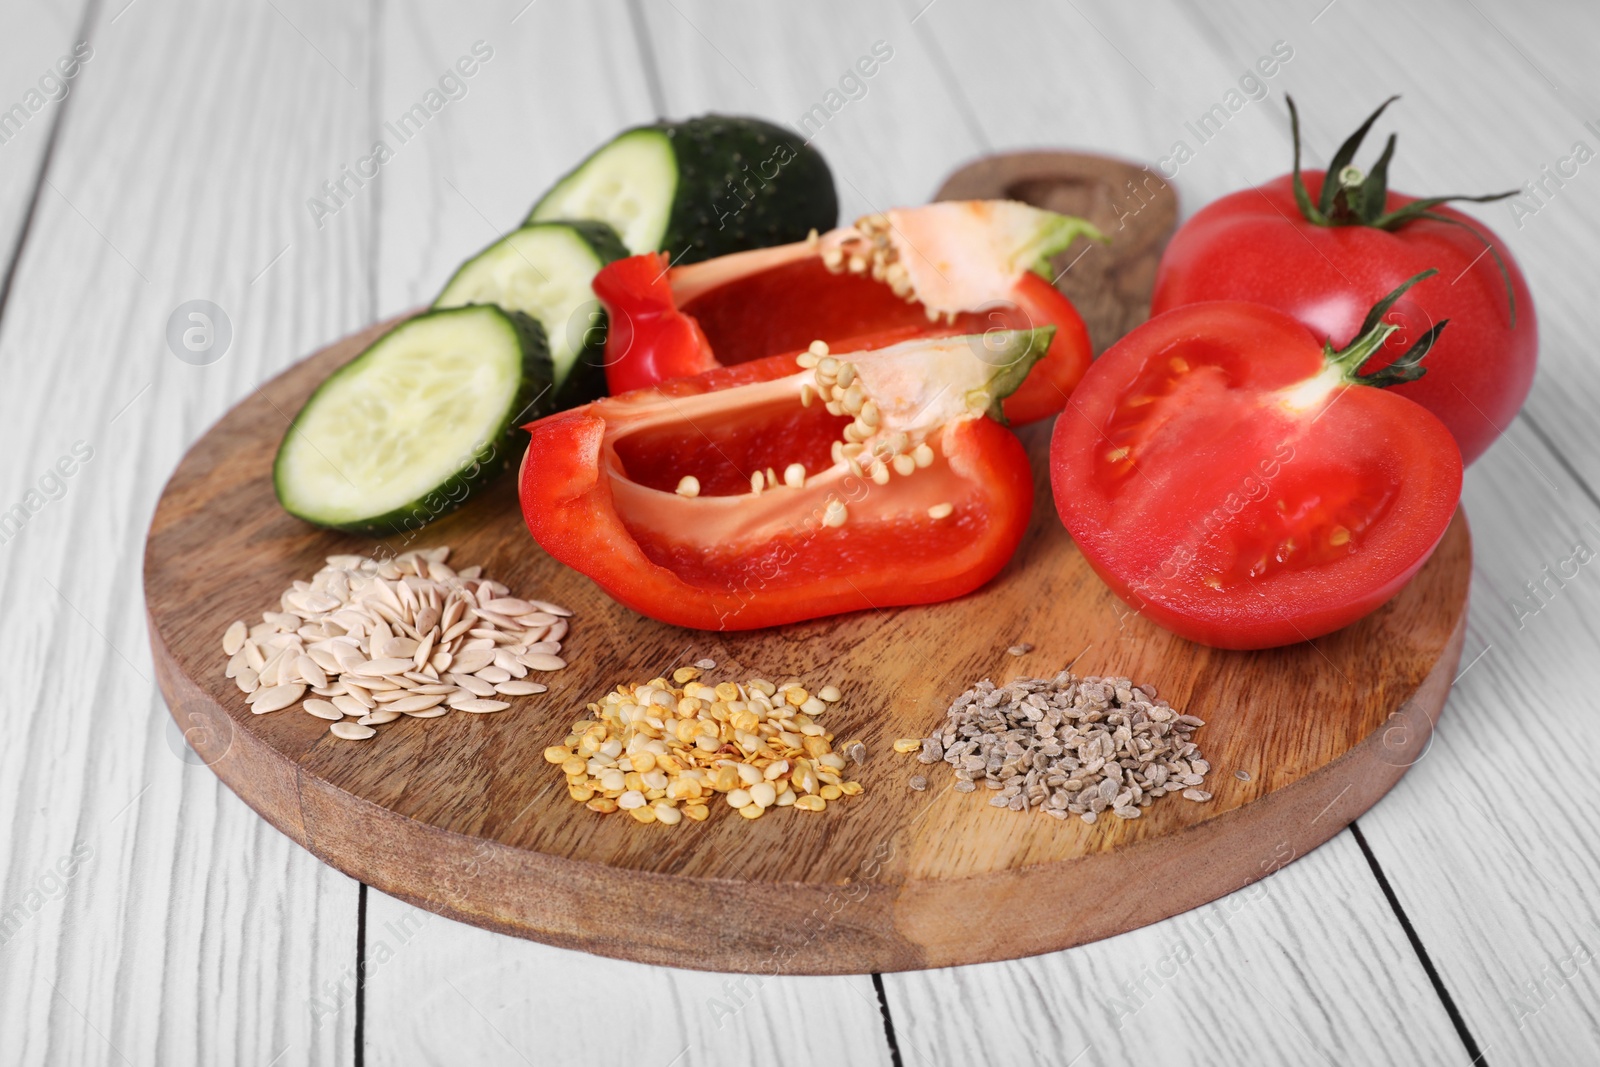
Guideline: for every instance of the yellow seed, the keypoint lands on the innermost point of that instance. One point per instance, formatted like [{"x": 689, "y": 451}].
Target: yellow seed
[
  {"x": 573, "y": 766},
  {"x": 908, "y": 744},
  {"x": 1213, "y": 580},
  {"x": 644, "y": 814},
  {"x": 827, "y": 366},
  {"x": 697, "y": 812},
  {"x": 850, "y": 789},
  {"x": 1116, "y": 455},
  {"x": 751, "y": 811},
  {"x": 941, "y": 511},
  {"x": 810, "y": 803},
  {"x": 685, "y": 674},
  {"x": 688, "y": 485},
  {"x": 846, "y": 375},
  {"x": 815, "y": 746},
  {"x": 644, "y": 762},
  {"x": 1178, "y": 364},
  {"x": 796, "y": 695},
  {"x": 557, "y": 754},
  {"x": 904, "y": 465},
  {"x": 604, "y": 805},
  {"x": 869, "y": 413},
  {"x": 818, "y": 348},
  {"x": 834, "y": 408},
  {"x": 1339, "y": 536},
  {"x": 582, "y": 794},
  {"x": 794, "y": 475},
  {"x": 830, "y": 693},
  {"x": 830, "y": 792},
  {"x": 807, "y": 360}
]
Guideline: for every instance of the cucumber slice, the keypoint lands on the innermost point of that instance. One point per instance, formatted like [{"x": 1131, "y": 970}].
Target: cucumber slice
[
  {"x": 700, "y": 188},
  {"x": 544, "y": 270},
  {"x": 414, "y": 425}
]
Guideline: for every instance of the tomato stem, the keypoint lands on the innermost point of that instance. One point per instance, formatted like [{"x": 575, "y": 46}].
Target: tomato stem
[
  {"x": 1349, "y": 198},
  {"x": 1370, "y": 339}
]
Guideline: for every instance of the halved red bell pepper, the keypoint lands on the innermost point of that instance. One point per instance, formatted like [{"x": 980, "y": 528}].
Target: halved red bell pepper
[
  {"x": 791, "y": 488},
  {"x": 945, "y": 269}
]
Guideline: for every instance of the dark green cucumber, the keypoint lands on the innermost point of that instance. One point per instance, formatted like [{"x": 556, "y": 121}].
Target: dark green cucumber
[
  {"x": 413, "y": 426},
  {"x": 700, "y": 188},
  {"x": 544, "y": 270}
]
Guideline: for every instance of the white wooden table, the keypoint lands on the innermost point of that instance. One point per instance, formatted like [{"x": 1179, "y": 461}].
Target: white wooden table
[{"x": 148, "y": 917}]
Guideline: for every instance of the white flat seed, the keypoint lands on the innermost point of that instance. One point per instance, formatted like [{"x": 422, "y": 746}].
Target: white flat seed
[
  {"x": 510, "y": 606},
  {"x": 519, "y": 688},
  {"x": 428, "y": 713},
  {"x": 277, "y": 697},
  {"x": 379, "y": 668},
  {"x": 543, "y": 661},
  {"x": 535, "y": 618},
  {"x": 247, "y": 680},
  {"x": 310, "y": 670},
  {"x": 472, "y": 660},
  {"x": 347, "y": 705},
  {"x": 538, "y": 648},
  {"x": 706, "y": 664},
  {"x": 233, "y": 637},
  {"x": 494, "y": 675},
  {"x": 557, "y": 631},
  {"x": 351, "y": 731},
  {"x": 473, "y": 685},
  {"x": 412, "y": 703},
  {"x": 480, "y": 706},
  {"x": 323, "y": 709},
  {"x": 378, "y": 718}
]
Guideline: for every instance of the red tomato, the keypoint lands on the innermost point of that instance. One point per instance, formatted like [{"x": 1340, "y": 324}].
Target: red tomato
[
  {"x": 1238, "y": 484},
  {"x": 1259, "y": 245}
]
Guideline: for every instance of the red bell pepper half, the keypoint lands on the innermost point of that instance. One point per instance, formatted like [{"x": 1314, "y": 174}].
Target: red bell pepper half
[
  {"x": 790, "y": 488},
  {"x": 946, "y": 269}
]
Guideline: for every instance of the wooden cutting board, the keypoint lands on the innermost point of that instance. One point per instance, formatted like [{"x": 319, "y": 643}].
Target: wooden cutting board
[{"x": 462, "y": 816}]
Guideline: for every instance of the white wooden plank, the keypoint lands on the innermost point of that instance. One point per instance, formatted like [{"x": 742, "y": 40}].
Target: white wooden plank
[
  {"x": 33, "y": 95},
  {"x": 456, "y": 994},
  {"x": 1299, "y": 968},
  {"x": 438, "y": 991},
  {"x": 561, "y": 80},
  {"x": 189, "y": 930}
]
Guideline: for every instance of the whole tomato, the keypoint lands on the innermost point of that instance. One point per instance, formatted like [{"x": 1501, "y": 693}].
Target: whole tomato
[{"x": 1326, "y": 252}]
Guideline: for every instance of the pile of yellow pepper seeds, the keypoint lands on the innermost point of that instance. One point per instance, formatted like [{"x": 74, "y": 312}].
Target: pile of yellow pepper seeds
[{"x": 661, "y": 752}]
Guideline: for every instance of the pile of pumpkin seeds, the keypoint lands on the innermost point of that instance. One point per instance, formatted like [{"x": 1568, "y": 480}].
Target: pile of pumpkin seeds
[{"x": 1068, "y": 746}]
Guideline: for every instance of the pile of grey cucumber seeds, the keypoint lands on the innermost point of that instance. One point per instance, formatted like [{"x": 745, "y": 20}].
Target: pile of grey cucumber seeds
[{"x": 1068, "y": 746}]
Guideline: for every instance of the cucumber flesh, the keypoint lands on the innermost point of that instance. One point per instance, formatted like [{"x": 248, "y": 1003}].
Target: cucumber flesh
[
  {"x": 544, "y": 270},
  {"x": 701, "y": 188},
  {"x": 411, "y": 427},
  {"x": 627, "y": 183}
]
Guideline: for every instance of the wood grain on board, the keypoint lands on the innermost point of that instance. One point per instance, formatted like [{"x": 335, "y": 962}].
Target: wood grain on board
[{"x": 1302, "y": 739}]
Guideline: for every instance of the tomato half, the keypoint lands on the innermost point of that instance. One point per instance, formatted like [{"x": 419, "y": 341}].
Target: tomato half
[
  {"x": 1327, "y": 267},
  {"x": 1228, "y": 476}
]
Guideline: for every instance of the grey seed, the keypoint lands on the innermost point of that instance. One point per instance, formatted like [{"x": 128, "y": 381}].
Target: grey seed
[
  {"x": 918, "y": 782},
  {"x": 1196, "y": 794}
]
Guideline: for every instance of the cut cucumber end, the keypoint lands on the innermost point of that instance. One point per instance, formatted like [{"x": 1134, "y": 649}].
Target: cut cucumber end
[
  {"x": 628, "y": 183},
  {"x": 544, "y": 271},
  {"x": 409, "y": 429}
]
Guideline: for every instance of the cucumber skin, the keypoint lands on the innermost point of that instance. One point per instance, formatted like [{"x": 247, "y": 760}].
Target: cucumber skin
[
  {"x": 724, "y": 203},
  {"x": 533, "y": 401},
  {"x": 712, "y": 152},
  {"x": 587, "y": 379}
]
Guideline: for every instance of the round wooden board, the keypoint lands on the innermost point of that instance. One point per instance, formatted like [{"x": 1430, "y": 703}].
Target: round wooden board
[{"x": 461, "y": 815}]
